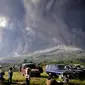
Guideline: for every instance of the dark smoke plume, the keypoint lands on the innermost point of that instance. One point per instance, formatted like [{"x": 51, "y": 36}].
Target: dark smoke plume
[
  {"x": 61, "y": 21},
  {"x": 30, "y": 25}
]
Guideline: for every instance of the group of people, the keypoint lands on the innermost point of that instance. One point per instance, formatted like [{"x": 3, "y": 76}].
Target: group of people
[
  {"x": 10, "y": 74},
  {"x": 50, "y": 79}
]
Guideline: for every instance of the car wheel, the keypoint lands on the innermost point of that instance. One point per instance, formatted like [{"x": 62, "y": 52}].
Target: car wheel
[{"x": 55, "y": 75}]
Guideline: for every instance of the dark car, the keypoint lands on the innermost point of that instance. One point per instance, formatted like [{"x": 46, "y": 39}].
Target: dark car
[
  {"x": 35, "y": 70},
  {"x": 78, "y": 71}
]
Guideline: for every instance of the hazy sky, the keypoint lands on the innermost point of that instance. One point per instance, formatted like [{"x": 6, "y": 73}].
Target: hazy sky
[{"x": 30, "y": 25}]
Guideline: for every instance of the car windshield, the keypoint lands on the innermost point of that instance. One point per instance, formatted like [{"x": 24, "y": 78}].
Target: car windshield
[
  {"x": 52, "y": 67},
  {"x": 61, "y": 67},
  {"x": 29, "y": 65}
]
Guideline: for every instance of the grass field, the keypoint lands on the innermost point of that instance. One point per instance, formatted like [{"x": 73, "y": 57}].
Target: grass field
[{"x": 18, "y": 79}]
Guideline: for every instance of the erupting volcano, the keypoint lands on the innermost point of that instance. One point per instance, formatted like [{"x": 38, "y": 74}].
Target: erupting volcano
[{"x": 31, "y": 25}]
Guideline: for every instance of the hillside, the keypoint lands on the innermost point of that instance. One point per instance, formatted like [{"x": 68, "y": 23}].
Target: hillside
[{"x": 59, "y": 53}]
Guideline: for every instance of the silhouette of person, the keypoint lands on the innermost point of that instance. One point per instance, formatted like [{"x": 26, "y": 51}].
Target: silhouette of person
[{"x": 10, "y": 74}]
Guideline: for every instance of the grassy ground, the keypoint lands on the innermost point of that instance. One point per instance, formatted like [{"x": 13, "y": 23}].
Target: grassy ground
[{"x": 18, "y": 79}]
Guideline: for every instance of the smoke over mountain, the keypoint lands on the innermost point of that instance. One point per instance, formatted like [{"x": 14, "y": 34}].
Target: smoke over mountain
[{"x": 30, "y": 25}]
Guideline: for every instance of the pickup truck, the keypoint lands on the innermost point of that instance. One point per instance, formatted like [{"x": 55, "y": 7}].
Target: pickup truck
[{"x": 35, "y": 70}]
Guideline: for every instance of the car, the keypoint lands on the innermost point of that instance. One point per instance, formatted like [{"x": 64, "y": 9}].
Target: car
[
  {"x": 78, "y": 71},
  {"x": 35, "y": 70},
  {"x": 58, "y": 69},
  {"x": 62, "y": 69}
]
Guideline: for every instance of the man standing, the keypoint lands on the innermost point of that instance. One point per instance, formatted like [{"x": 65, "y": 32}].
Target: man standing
[
  {"x": 1, "y": 75},
  {"x": 10, "y": 74},
  {"x": 27, "y": 76}
]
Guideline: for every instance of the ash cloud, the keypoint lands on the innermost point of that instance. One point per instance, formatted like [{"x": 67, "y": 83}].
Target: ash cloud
[
  {"x": 63, "y": 19},
  {"x": 41, "y": 24}
]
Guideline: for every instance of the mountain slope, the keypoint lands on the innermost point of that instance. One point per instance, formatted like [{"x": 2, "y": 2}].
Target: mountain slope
[{"x": 56, "y": 53}]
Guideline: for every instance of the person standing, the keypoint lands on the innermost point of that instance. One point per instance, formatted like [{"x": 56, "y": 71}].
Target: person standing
[
  {"x": 51, "y": 80},
  {"x": 66, "y": 79},
  {"x": 27, "y": 75},
  {"x": 2, "y": 73},
  {"x": 10, "y": 74}
]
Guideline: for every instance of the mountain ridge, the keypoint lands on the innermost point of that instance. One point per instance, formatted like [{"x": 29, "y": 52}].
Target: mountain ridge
[{"x": 48, "y": 54}]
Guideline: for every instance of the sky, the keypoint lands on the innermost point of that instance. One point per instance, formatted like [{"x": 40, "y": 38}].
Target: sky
[{"x": 31, "y": 25}]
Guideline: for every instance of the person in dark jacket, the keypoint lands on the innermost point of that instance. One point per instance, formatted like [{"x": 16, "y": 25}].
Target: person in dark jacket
[
  {"x": 10, "y": 74},
  {"x": 51, "y": 80},
  {"x": 2, "y": 73}
]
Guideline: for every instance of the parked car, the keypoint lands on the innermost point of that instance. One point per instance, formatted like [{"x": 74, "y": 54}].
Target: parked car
[
  {"x": 62, "y": 69},
  {"x": 35, "y": 70},
  {"x": 58, "y": 69},
  {"x": 78, "y": 71}
]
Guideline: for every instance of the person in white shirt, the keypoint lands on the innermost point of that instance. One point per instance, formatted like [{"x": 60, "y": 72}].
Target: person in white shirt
[{"x": 27, "y": 75}]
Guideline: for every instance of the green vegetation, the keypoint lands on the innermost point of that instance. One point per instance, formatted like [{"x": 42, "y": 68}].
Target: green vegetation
[
  {"x": 71, "y": 61},
  {"x": 18, "y": 79}
]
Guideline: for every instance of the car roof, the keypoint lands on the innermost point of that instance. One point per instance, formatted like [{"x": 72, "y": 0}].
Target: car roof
[
  {"x": 28, "y": 64},
  {"x": 56, "y": 64}
]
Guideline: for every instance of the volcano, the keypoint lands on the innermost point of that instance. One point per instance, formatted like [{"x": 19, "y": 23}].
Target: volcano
[{"x": 32, "y": 25}]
